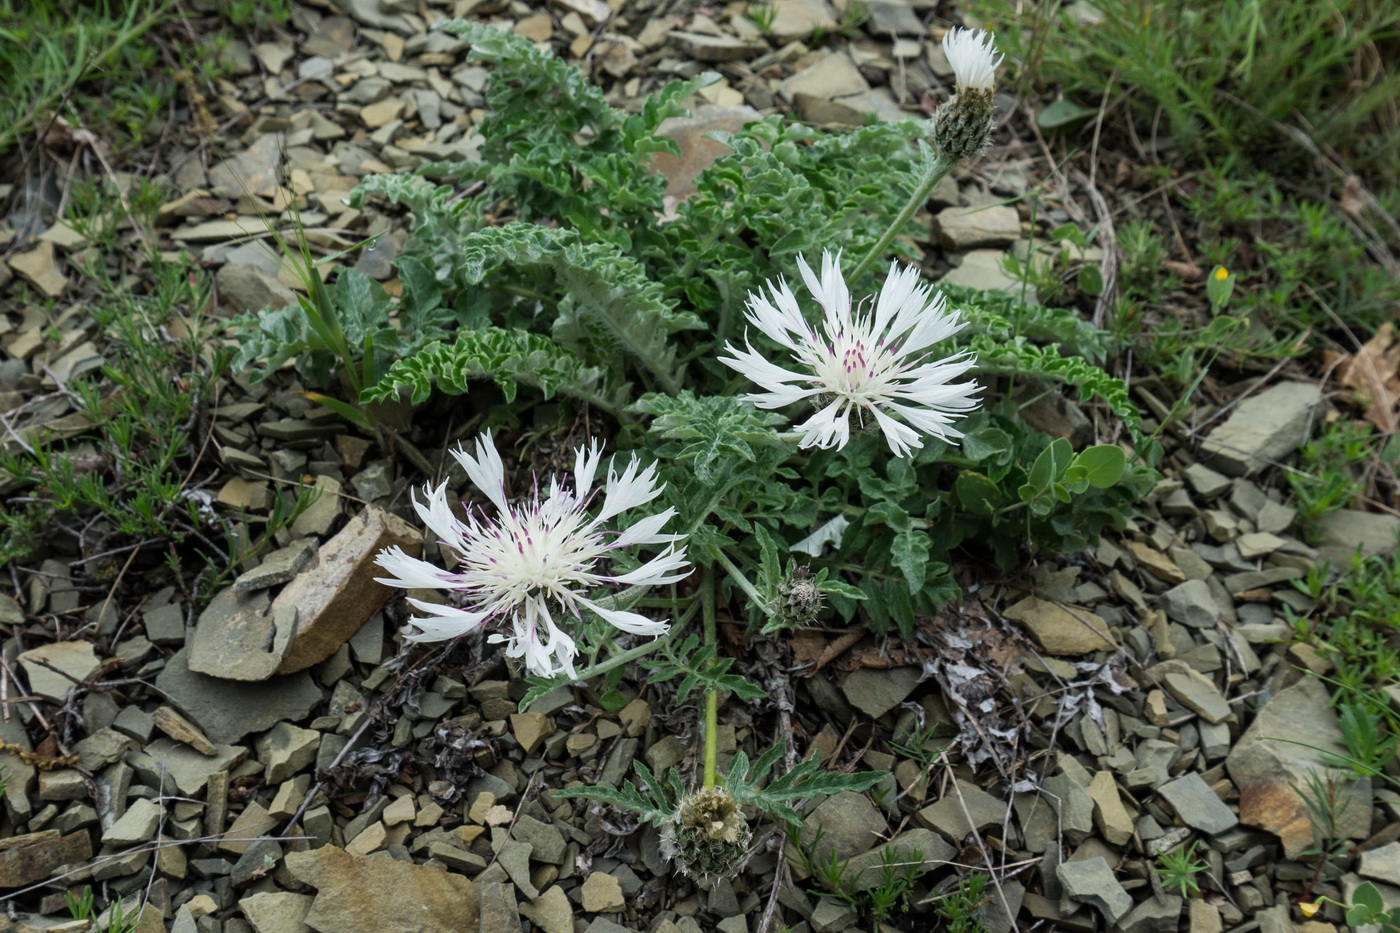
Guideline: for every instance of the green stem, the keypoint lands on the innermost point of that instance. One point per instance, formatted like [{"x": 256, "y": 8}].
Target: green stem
[
  {"x": 707, "y": 596},
  {"x": 631, "y": 654},
  {"x": 938, "y": 168},
  {"x": 738, "y": 577}
]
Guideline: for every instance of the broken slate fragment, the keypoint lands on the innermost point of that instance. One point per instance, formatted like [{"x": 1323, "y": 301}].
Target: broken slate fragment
[
  {"x": 1263, "y": 428},
  {"x": 182, "y": 730},
  {"x": 228, "y": 710},
  {"x": 965, "y": 228},
  {"x": 876, "y": 692},
  {"x": 238, "y": 638},
  {"x": 39, "y": 268},
  {"x": 336, "y": 592},
  {"x": 1192, "y": 689},
  {"x": 1091, "y": 882},
  {"x": 1197, "y": 805},
  {"x": 27, "y": 864},
  {"x": 1382, "y": 864},
  {"x": 1062, "y": 630},
  {"x": 1267, "y": 767},
  {"x": 277, "y": 567},
  {"x": 1192, "y": 604},
  {"x": 75, "y": 659},
  {"x": 164, "y": 761}
]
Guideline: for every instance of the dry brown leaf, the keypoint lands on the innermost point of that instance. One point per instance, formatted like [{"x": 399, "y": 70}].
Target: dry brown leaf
[
  {"x": 1354, "y": 200},
  {"x": 1373, "y": 375}
]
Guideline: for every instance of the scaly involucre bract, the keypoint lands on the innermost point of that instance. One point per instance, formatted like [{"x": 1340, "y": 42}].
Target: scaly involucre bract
[
  {"x": 532, "y": 563},
  {"x": 874, "y": 365}
]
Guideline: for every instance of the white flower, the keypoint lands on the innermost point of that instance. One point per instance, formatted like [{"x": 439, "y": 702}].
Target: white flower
[
  {"x": 875, "y": 366},
  {"x": 534, "y": 560},
  {"x": 973, "y": 57}
]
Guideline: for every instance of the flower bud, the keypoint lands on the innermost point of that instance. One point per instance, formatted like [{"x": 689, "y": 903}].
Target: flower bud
[
  {"x": 799, "y": 599},
  {"x": 709, "y": 837},
  {"x": 962, "y": 126}
]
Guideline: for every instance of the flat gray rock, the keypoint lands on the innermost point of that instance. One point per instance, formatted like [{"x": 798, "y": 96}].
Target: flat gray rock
[
  {"x": 832, "y": 75},
  {"x": 165, "y": 761},
  {"x": 950, "y": 816},
  {"x": 247, "y": 288},
  {"x": 1382, "y": 864},
  {"x": 1073, "y": 806},
  {"x": 1091, "y": 882},
  {"x": 1191, "y": 604},
  {"x": 279, "y": 912},
  {"x": 76, "y": 659},
  {"x": 1343, "y": 531},
  {"x": 237, "y": 638},
  {"x": 964, "y": 228},
  {"x": 875, "y": 692},
  {"x": 918, "y": 846},
  {"x": 1197, "y": 804},
  {"x": 848, "y": 823},
  {"x": 228, "y": 710},
  {"x": 1154, "y": 915},
  {"x": 1264, "y": 427}
]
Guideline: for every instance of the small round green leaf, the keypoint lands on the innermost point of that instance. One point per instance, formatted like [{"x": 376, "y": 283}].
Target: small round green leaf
[{"x": 1103, "y": 464}]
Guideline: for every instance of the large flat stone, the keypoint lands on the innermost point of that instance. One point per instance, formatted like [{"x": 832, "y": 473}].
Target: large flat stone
[
  {"x": 1265, "y": 765},
  {"x": 27, "y": 864},
  {"x": 77, "y": 659},
  {"x": 1264, "y": 427},
  {"x": 227, "y": 710},
  {"x": 238, "y": 638},
  {"x": 377, "y": 894},
  {"x": 164, "y": 762},
  {"x": 336, "y": 593},
  {"x": 1197, "y": 805},
  {"x": 1343, "y": 531},
  {"x": 1062, "y": 630}
]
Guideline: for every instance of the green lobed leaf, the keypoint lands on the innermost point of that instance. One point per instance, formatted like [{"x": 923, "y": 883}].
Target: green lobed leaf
[{"x": 506, "y": 356}]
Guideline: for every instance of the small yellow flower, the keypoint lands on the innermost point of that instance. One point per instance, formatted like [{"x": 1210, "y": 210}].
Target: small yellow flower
[
  {"x": 1309, "y": 908},
  {"x": 1221, "y": 273}
]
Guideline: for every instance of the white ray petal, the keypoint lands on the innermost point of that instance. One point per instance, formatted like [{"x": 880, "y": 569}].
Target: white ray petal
[
  {"x": 901, "y": 438},
  {"x": 658, "y": 570},
  {"x": 485, "y": 470},
  {"x": 586, "y": 468},
  {"x": 647, "y": 531},
  {"x": 631, "y": 489},
  {"x": 410, "y": 573},
  {"x": 628, "y": 621},
  {"x": 443, "y": 622},
  {"x": 437, "y": 515},
  {"x": 972, "y": 55}
]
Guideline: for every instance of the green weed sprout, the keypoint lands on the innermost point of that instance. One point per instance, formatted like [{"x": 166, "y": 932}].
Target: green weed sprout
[
  {"x": 962, "y": 906},
  {"x": 1177, "y": 870}
]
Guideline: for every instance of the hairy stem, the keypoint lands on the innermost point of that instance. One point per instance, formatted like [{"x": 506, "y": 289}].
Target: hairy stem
[
  {"x": 707, "y": 595},
  {"x": 738, "y": 577},
  {"x": 938, "y": 168}
]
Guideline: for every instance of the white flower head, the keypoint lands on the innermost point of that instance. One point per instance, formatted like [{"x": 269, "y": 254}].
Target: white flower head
[
  {"x": 875, "y": 365},
  {"x": 531, "y": 564},
  {"x": 973, "y": 57}
]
